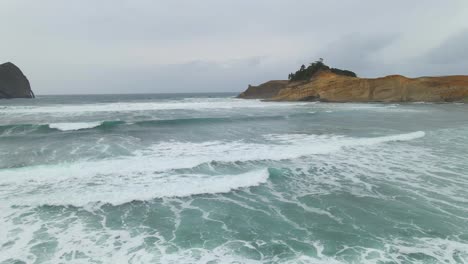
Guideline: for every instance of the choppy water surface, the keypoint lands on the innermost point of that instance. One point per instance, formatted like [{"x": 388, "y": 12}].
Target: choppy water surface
[{"x": 213, "y": 179}]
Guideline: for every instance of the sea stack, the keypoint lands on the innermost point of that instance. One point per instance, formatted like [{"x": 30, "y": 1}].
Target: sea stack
[{"x": 13, "y": 83}]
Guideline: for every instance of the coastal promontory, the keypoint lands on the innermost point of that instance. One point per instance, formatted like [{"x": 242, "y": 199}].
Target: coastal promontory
[
  {"x": 319, "y": 82},
  {"x": 13, "y": 83}
]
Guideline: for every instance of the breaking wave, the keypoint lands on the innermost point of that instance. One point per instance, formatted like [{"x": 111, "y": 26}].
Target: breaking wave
[
  {"x": 11, "y": 130},
  {"x": 144, "y": 106},
  {"x": 149, "y": 173}
]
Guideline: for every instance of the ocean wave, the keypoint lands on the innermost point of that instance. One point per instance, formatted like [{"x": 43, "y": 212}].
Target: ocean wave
[
  {"x": 14, "y": 129},
  {"x": 114, "y": 189},
  {"x": 209, "y": 120},
  {"x": 74, "y": 126},
  {"x": 200, "y": 104},
  {"x": 149, "y": 173},
  {"x": 84, "y": 125},
  {"x": 24, "y": 129}
]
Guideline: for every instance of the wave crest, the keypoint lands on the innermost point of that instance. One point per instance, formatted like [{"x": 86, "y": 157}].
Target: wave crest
[
  {"x": 74, "y": 126},
  {"x": 151, "y": 172}
]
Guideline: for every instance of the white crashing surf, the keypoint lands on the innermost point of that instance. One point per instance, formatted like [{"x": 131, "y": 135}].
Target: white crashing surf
[
  {"x": 149, "y": 173},
  {"x": 199, "y": 104},
  {"x": 74, "y": 126},
  {"x": 120, "y": 189}
]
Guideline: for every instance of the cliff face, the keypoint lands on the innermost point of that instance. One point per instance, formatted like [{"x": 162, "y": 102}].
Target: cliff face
[
  {"x": 13, "y": 83},
  {"x": 329, "y": 87}
]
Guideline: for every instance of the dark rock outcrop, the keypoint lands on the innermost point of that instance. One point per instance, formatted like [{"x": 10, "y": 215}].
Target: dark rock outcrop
[
  {"x": 13, "y": 83},
  {"x": 264, "y": 91},
  {"x": 327, "y": 86}
]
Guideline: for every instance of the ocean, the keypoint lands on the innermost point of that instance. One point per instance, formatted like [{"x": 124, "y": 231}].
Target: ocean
[{"x": 207, "y": 178}]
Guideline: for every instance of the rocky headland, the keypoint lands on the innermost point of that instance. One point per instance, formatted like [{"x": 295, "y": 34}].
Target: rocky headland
[
  {"x": 13, "y": 83},
  {"x": 328, "y": 85}
]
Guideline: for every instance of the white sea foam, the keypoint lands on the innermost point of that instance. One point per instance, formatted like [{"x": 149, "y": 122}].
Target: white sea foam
[
  {"x": 74, "y": 126},
  {"x": 147, "y": 174},
  {"x": 374, "y": 107},
  {"x": 199, "y": 104},
  {"x": 440, "y": 250},
  {"x": 76, "y": 236},
  {"x": 119, "y": 189},
  {"x": 111, "y": 245}
]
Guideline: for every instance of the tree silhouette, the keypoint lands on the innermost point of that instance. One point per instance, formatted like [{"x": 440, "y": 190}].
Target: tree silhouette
[{"x": 306, "y": 73}]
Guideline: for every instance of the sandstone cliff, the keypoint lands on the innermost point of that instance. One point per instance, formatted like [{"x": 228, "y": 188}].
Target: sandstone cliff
[
  {"x": 329, "y": 87},
  {"x": 13, "y": 83}
]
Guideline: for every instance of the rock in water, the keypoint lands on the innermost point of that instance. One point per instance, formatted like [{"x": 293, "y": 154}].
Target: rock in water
[{"x": 13, "y": 83}]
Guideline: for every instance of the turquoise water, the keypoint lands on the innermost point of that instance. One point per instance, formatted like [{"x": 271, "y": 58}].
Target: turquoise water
[{"x": 206, "y": 178}]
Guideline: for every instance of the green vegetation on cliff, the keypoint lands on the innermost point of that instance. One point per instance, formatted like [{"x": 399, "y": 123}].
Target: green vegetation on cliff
[{"x": 306, "y": 73}]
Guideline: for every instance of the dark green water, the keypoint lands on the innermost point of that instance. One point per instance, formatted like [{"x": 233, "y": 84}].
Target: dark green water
[{"x": 206, "y": 178}]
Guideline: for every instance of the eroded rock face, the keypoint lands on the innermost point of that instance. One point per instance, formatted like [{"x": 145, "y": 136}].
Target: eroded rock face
[
  {"x": 329, "y": 87},
  {"x": 13, "y": 83}
]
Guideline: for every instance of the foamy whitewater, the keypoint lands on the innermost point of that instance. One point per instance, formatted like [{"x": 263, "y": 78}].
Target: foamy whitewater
[{"x": 207, "y": 178}]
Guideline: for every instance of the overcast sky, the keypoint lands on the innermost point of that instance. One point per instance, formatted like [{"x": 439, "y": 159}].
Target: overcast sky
[{"x": 129, "y": 46}]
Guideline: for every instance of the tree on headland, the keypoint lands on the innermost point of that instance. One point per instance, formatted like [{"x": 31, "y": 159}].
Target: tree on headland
[{"x": 306, "y": 73}]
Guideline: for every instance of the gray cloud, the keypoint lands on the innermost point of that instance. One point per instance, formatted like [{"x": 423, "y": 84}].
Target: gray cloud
[
  {"x": 180, "y": 46},
  {"x": 452, "y": 51},
  {"x": 194, "y": 76},
  {"x": 359, "y": 53}
]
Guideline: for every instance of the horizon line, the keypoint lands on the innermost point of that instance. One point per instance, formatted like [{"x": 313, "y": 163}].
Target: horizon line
[{"x": 137, "y": 93}]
